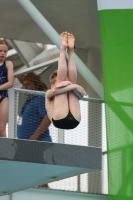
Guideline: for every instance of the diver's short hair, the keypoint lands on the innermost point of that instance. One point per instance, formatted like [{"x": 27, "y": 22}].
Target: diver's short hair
[{"x": 53, "y": 77}]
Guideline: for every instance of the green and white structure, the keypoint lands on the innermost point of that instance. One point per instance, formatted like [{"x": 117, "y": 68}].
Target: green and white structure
[{"x": 116, "y": 31}]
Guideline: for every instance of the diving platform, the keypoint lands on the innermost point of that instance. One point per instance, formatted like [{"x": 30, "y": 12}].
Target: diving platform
[{"x": 25, "y": 164}]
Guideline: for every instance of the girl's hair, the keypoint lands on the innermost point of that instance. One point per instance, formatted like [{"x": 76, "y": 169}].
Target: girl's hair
[
  {"x": 53, "y": 77},
  {"x": 3, "y": 42}
]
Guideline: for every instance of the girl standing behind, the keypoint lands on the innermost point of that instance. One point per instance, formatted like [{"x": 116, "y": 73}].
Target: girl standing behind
[{"x": 6, "y": 82}]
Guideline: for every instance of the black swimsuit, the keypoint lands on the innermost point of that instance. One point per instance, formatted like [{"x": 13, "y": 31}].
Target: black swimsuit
[
  {"x": 69, "y": 122},
  {"x": 3, "y": 79}
]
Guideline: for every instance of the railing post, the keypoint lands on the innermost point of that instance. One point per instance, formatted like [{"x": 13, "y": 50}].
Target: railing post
[
  {"x": 60, "y": 135},
  {"x": 11, "y": 113}
]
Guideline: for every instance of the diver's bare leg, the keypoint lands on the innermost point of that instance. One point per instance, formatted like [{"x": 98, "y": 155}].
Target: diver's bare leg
[
  {"x": 72, "y": 71},
  {"x": 61, "y": 107},
  {"x": 62, "y": 66},
  {"x": 74, "y": 105}
]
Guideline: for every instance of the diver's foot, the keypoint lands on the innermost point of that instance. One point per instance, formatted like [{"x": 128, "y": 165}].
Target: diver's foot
[
  {"x": 71, "y": 41},
  {"x": 63, "y": 40}
]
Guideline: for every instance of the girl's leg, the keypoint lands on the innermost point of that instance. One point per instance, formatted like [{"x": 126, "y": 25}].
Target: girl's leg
[
  {"x": 61, "y": 107},
  {"x": 74, "y": 105},
  {"x": 72, "y": 71},
  {"x": 3, "y": 116},
  {"x": 62, "y": 66}
]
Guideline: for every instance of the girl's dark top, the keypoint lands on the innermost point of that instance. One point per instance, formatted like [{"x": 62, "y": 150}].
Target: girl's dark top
[{"x": 3, "y": 79}]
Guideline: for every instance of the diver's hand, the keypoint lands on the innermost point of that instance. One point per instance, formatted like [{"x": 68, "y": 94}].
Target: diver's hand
[{"x": 81, "y": 90}]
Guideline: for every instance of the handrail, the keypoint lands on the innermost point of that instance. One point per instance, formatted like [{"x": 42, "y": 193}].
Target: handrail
[{"x": 43, "y": 93}]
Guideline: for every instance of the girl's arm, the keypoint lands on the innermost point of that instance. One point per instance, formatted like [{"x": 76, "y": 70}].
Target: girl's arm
[
  {"x": 10, "y": 77},
  {"x": 62, "y": 84},
  {"x": 52, "y": 92}
]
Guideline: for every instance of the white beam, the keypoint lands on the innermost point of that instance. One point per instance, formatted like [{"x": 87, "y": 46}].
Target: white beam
[
  {"x": 36, "y": 67},
  {"x": 50, "y": 194},
  {"x": 114, "y": 4},
  {"x": 13, "y": 44}
]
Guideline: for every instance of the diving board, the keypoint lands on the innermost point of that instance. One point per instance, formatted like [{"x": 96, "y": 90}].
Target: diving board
[{"x": 25, "y": 164}]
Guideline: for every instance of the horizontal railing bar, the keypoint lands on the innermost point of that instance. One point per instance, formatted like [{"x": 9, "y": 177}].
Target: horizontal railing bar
[{"x": 43, "y": 94}]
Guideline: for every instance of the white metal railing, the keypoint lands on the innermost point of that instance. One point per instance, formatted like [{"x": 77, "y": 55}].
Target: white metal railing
[{"x": 11, "y": 110}]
